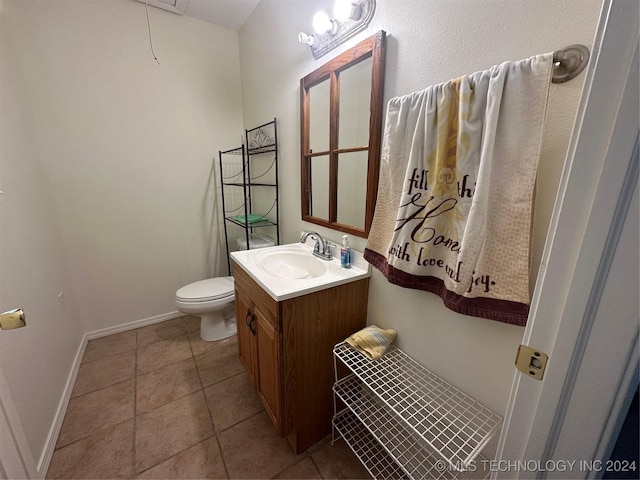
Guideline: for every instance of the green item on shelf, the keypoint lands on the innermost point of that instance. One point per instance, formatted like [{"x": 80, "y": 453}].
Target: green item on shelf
[{"x": 251, "y": 218}]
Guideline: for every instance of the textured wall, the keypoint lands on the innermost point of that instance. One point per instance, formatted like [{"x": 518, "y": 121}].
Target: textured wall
[{"x": 428, "y": 42}]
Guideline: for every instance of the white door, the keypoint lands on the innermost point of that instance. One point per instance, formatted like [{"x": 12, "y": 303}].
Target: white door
[
  {"x": 15, "y": 456},
  {"x": 584, "y": 312}
]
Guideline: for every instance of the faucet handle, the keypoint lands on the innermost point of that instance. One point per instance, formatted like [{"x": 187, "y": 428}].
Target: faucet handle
[{"x": 328, "y": 248}]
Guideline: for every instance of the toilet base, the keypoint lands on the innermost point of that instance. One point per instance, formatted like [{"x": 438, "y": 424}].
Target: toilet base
[{"x": 218, "y": 325}]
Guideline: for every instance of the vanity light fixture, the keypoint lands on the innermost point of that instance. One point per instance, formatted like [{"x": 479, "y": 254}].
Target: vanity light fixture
[{"x": 350, "y": 17}]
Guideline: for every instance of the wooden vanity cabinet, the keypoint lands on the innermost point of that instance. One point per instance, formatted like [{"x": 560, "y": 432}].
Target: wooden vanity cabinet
[
  {"x": 287, "y": 349},
  {"x": 259, "y": 343}
]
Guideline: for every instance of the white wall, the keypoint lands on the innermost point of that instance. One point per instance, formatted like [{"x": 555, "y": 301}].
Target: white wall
[
  {"x": 35, "y": 360},
  {"x": 428, "y": 42},
  {"x": 127, "y": 146},
  {"x": 106, "y": 167}
]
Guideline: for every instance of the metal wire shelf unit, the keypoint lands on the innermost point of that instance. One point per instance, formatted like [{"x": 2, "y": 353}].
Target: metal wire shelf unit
[
  {"x": 258, "y": 141},
  {"x": 429, "y": 420},
  {"x": 365, "y": 446},
  {"x": 400, "y": 443}
]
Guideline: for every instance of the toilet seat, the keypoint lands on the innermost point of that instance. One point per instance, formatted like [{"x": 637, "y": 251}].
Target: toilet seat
[{"x": 207, "y": 290}]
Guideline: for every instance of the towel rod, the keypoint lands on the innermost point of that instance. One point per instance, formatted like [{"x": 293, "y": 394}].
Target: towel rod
[{"x": 569, "y": 62}]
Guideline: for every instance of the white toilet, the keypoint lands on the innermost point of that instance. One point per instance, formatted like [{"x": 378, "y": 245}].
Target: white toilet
[{"x": 213, "y": 301}]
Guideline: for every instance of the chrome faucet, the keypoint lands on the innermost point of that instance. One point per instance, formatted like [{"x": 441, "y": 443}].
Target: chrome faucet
[{"x": 322, "y": 248}]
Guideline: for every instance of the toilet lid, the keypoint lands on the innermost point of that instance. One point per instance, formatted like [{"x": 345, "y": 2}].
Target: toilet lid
[{"x": 205, "y": 290}]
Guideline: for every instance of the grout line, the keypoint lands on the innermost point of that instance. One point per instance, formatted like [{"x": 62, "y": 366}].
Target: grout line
[
  {"x": 244, "y": 419},
  {"x": 185, "y": 395},
  {"x": 224, "y": 379},
  {"x": 92, "y": 434},
  {"x": 101, "y": 388},
  {"x": 302, "y": 457},
  {"x": 168, "y": 364},
  {"x": 178, "y": 453},
  {"x": 73, "y": 396},
  {"x": 213, "y": 424},
  {"x": 310, "y": 457},
  {"x": 201, "y": 389},
  {"x": 109, "y": 355}
]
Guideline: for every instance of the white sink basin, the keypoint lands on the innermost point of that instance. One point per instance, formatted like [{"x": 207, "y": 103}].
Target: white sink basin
[
  {"x": 295, "y": 263},
  {"x": 288, "y": 271}
]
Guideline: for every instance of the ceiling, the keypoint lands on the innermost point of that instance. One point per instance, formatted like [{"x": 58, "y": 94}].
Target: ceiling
[{"x": 225, "y": 13}]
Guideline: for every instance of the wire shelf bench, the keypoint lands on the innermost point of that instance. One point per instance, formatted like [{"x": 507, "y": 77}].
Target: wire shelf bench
[
  {"x": 375, "y": 459},
  {"x": 420, "y": 419}
]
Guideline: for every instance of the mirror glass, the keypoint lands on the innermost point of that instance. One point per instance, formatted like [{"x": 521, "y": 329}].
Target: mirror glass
[
  {"x": 355, "y": 97},
  {"x": 319, "y": 190},
  {"x": 352, "y": 188},
  {"x": 319, "y": 118},
  {"x": 341, "y": 126}
]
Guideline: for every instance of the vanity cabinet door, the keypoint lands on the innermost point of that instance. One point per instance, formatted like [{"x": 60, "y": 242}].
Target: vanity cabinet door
[
  {"x": 246, "y": 323},
  {"x": 260, "y": 353},
  {"x": 269, "y": 378}
]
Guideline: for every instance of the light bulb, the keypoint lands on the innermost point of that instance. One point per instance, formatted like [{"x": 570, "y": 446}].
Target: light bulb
[
  {"x": 342, "y": 10},
  {"x": 345, "y": 10},
  {"x": 322, "y": 23}
]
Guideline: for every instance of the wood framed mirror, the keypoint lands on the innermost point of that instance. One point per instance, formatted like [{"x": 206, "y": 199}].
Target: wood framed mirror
[{"x": 340, "y": 132}]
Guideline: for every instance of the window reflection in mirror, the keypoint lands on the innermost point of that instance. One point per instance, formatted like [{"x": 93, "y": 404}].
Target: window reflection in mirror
[{"x": 341, "y": 123}]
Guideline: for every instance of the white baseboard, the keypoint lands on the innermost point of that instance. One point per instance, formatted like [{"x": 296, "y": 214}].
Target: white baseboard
[
  {"x": 47, "y": 452},
  {"x": 52, "y": 438},
  {"x": 133, "y": 325}
]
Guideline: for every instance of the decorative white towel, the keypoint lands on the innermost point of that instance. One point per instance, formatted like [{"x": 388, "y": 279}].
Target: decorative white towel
[{"x": 455, "y": 196}]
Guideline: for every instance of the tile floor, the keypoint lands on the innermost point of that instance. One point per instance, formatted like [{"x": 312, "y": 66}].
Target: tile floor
[{"x": 158, "y": 402}]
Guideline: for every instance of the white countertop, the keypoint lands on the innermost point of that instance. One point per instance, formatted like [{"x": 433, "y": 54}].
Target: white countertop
[{"x": 280, "y": 288}]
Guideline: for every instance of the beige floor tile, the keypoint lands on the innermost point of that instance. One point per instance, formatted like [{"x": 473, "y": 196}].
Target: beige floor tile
[
  {"x": 95, "y": 411},
  {"x": 165, "y": 385},
  {"x": 319, "y": 444},
  {"x": 220, "y": 362},
  {"x": 160, "y": 354},
  {"x": 106, "y": 454},
  {"x": 200, "y": 461},
  {"x": 199, "y": 346},
  {"x": 104, "y": 372},
  {"x": 253, "y": 449},
  {"x": 305, "y": 468},
  {"x": 110, "y": 345},
  {"x": 160, "y": 331},
  {"x": 232, "y": 401},
  {"x": 338, "y": 461},
  {"x": 167, "y": 430},
  {"x": 174, "y": 436},
  {"x": 191, "y": 323}
]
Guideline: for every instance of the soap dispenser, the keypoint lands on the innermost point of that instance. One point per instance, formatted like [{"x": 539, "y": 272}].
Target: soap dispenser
[{"x": 345, "y": 253}]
